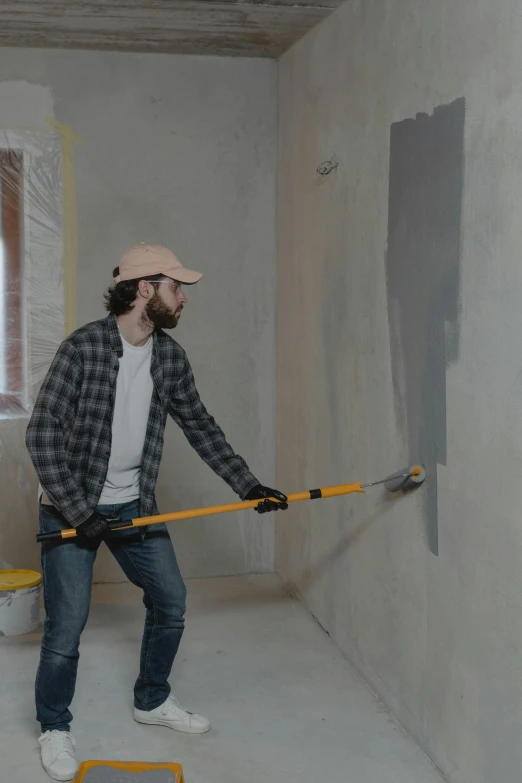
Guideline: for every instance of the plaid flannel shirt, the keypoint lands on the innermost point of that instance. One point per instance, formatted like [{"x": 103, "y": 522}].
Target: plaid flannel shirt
[{"x": 69, "y": 433}]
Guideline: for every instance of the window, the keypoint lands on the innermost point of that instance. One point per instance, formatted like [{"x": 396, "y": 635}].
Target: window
[
  {"x": 31, "y": 264},
  {"x": 12, "y": 353}
]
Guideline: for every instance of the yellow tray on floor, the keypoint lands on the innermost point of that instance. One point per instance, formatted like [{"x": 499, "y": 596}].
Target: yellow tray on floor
[{"x": 127, "y": 766}]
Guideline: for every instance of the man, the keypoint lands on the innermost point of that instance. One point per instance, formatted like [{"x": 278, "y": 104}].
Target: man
[{"x": 95, "y": 438}]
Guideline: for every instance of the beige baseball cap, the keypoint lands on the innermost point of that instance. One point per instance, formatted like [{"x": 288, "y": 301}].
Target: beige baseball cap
[{"x": 144, "y": 260}]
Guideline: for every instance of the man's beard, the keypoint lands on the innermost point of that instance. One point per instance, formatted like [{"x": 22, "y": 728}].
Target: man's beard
[{"x": 159, "y": 314}]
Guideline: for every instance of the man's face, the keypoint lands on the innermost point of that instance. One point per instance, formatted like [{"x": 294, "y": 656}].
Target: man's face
[{"x": 164, "y": 308}]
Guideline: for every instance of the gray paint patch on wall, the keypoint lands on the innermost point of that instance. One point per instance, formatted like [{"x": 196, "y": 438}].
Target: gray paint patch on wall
[{"x": 423, "y": 274}]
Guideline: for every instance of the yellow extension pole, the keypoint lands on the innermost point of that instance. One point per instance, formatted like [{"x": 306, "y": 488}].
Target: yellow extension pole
[{"x": 315, "y": 494}]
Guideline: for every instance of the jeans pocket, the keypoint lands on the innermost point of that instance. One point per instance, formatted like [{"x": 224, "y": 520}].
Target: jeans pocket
[{"x": 51, "y": 519}]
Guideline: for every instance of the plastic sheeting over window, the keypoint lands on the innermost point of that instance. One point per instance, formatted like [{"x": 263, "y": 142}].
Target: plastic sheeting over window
[{"x": 31, "y": 264}]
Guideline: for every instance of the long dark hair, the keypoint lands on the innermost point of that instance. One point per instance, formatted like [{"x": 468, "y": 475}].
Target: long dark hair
[{"x": 120, "y": 297}]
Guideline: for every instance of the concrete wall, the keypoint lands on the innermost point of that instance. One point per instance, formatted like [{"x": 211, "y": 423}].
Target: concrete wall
[
  {"x": 399, "y": 318},
  {"x": 180, "y": 151}
]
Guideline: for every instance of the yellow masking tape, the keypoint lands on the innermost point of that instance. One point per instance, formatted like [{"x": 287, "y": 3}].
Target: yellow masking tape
[{"x": 70, "y": 221}]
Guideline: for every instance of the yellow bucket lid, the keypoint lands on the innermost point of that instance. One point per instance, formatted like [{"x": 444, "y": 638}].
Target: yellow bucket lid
[{"x": 17, "y": 579}]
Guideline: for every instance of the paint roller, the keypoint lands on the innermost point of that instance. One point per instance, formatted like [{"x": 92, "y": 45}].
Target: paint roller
[{"x": 404, "y": 480}]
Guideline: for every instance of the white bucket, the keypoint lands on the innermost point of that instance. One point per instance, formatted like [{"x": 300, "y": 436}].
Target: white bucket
[{"x": 19, "y": 602}]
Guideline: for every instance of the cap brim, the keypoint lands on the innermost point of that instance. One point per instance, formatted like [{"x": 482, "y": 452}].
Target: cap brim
[{"x": 182, "y": 275}]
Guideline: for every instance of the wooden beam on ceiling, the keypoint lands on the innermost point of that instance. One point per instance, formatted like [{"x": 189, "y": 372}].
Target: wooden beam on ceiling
[{"x": 252, "y": 29}]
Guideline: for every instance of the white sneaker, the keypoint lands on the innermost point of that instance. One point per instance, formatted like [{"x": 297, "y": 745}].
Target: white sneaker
[
  {"x": 58, "y": 758},
  {"x": 172, "y": 714}
]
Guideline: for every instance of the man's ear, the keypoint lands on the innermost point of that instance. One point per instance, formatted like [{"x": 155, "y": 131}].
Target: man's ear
[{"x": 145, "y": 289}]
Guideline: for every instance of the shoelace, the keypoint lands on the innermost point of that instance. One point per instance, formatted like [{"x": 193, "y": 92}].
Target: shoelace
[
  {"x": 172, "y": 702},
  {"x": 60, "y": 742}
]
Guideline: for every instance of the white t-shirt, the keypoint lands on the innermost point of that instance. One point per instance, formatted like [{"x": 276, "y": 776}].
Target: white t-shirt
[{"x": 129, "y": 425}]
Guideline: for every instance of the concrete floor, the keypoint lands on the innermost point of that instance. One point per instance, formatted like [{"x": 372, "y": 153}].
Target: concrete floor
[{"x": 285, "y": 705}]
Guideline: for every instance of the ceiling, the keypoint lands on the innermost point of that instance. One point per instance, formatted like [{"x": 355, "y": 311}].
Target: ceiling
[{"x": 255, "y": 28}]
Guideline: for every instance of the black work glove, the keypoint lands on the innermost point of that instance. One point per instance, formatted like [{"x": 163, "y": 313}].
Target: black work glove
[
  {"x": 93, "y": 529},
  {"x": 267, "y": 505}
]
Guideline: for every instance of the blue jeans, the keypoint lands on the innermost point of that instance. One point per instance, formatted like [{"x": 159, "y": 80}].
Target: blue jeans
[{"x": 147, "y": 557}]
